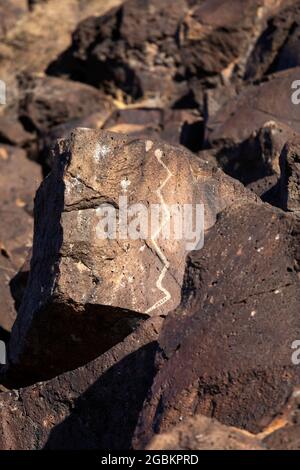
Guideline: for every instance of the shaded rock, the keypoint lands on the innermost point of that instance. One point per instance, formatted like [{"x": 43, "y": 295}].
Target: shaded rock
[
  {"x": 261, "y": 116},
  {"x": 50, "y": 101},
  {"x": 86, "y": 292},
  {"x": 201, "y": 433},
  {"x": 93, "y": 407},
  {"x": 126, "y": 50},
  {"x": 174, "y": 126},
  {"x": 19, "y": 179},
  {"x": 165, "y": 52},
  {"x": 31, "y": 44},
  {"x": 226, "y": 352},
  {"x": 277, "y": 48},
  {"x": 290, "y": 177},
  {"x": 216, "y": 40},
  {"x": 268, "y": 189}
]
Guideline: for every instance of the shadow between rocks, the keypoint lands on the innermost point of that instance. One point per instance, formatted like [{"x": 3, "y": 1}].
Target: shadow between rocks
[{"x": 105, "y": 416}]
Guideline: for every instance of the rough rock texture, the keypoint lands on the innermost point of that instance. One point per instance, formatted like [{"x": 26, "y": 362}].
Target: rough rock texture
[
  {"x": 93, "y": 407},
  {"x": 157, "y": 55},
  {"x": 31, "y": 44},
  {"x": 277, "y": 48},
  {"x": 290, "y": 179},
  {"x": 238, "y": 122},
  {"x": 50, "y": 101},
  {"x": 216, "y": 39},
  {"x": 82, "y": 286},
  {"x": 202, "y": 433},
  {"x": 19, "y": 179},
  {"x": 214, "y": 76},
  {"x": 121, "y": 49},
  {"x": 226, "y": 351}
]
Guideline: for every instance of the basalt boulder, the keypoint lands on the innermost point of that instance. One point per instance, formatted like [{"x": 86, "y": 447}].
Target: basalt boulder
[
  {"x": 87, "y": 289},
  {"x": 277, "y": 47},
  {"x": 49, "y": 101},
  {"x": 169, "y": 53},
  {"x": 237, "y": 128},
  {"x": 93, "y": 407},
  {"x": 226, "y": 352},
  {"x": 202, "y": 433}
]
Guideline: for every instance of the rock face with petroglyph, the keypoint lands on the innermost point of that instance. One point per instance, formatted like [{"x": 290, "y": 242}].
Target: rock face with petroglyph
[
  {"x": 169, "y": 53},
  {"x": 234, "y": 130},
  {"x": 86, "y": 292},
  {"x": 93, "y": 407},
  {"x": 226, "y": 352}
]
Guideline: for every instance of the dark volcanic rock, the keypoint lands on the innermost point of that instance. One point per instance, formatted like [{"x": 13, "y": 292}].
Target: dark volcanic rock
[
  {"x": 216, "y": 37},
  {"x": 239, "y": 129},
  {"x": 129, "y": 50},
  {"x": 278, "y": 46},
  {"x": 50, "y": 101},
  {"x": 86, "y": 293},
  {"x": 94, "y": 407},
  {"x": 226, "y": 352}
]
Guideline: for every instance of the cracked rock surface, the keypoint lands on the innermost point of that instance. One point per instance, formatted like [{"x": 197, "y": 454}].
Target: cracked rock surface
[{"x": 81, "y": 285}]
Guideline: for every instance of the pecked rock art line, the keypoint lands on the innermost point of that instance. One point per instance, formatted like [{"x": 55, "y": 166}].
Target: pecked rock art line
[{"x": 158, "y": 154}]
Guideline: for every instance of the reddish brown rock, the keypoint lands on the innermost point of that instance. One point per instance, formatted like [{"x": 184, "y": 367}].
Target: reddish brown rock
[
  {"x": 201, "y": 433},
  {"x": 277, "y": 47},
  {"x": 166, "y": 53},
  {"x": 19, "y": 179},
  {"x": 121, "y": 50},
  {"x": 226, "y": 352},
  {"x": 50, "y": 101},
  {"x": 216, "y": 39},
  {"x": 86, "y": 293},
  {"x": 93, "y": 407},
  {"x": 237, "y": 128}
]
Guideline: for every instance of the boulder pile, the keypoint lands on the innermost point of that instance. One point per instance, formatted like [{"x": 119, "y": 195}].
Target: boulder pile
[{"x": 150, "y": 224}]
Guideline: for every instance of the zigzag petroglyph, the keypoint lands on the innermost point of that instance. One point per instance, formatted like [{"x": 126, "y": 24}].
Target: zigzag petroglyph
[{"x": 158, "y": 154}]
